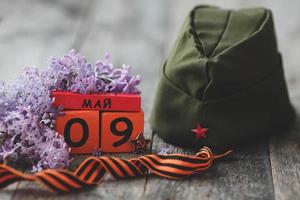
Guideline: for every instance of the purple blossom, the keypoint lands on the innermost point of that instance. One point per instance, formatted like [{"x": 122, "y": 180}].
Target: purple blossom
[
  {"x": 73, "y": 73},
  {"x": 97, "y": 153},
  {"x": 25, "y": 141},
  {"x": 164, "y": 150}
]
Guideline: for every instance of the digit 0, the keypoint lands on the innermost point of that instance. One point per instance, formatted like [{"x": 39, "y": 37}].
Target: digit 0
[
  {"x": 85, "y": 132},
  {"x": 126, "y": 133}
]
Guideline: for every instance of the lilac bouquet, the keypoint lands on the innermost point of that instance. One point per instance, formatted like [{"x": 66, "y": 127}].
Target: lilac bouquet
[
  {"x": 73, "y": 73},
  {"x": 27, "y": 118}
]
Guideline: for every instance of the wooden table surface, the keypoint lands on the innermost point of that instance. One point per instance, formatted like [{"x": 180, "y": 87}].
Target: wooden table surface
[{"x": 141, "y": 33}]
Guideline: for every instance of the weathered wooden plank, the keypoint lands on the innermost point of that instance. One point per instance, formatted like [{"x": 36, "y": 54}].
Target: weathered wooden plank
[
  {"x": 285, "y": 160},
  {"x": 243, "y": 175},
  {"x": 9, "y": 192},
  {"x": 284, "y": 148},
  {"x": 31, "y": 33}
]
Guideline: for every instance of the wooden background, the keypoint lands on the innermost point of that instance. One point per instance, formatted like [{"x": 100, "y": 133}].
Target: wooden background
[{"x": 141, "y": 33}]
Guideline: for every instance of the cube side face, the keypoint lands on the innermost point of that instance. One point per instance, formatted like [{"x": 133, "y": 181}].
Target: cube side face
[
  {"x": 80, "y": 130},
  {"x": 101, "y": 102},
  {"x": 118, "y": 128}
]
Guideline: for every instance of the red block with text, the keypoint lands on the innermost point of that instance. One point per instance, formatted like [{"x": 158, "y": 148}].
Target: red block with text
[
  {"x": 81, "y": 130},
  {"x": 118, "y": 128},
  {"x": 103, "y": 102},
  {"x": 91, "y": 122}
]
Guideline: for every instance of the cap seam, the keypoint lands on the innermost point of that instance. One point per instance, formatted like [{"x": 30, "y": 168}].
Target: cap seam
[
  {"x": 204, "y": 96},
  {"x": 193, "y": 32},
  {"x": 263, "y": 23},
  {"x": 222, "y": 35}
]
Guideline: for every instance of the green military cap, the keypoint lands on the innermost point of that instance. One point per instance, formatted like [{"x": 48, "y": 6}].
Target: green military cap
[{"x": 225, "y": 74}]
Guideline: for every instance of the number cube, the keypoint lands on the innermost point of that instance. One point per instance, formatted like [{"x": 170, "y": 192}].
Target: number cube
[
  {"x": 118, "y": 128},
  {"x": 80, "y": 130}
]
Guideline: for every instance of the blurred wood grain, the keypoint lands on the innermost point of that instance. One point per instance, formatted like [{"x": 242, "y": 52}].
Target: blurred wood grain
[{"x": 141, "y": 33}]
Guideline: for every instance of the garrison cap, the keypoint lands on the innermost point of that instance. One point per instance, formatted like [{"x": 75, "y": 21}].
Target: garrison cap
[{"x": 225, "y": 73}]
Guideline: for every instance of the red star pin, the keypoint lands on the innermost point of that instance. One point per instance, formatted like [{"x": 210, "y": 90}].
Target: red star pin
[
  {"x": 200, "y": 132},
  {"x": 140, "y": 143}
]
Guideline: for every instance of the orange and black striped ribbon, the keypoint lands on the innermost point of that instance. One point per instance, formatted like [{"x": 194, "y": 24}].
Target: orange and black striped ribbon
[{"x": 92, "y": 170}]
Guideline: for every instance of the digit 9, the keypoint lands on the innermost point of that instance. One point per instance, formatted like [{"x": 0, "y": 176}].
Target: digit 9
[{"x": 125, "y": 133}]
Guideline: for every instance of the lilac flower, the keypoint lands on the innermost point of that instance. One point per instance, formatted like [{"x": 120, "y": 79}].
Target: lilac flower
[
  {"x": 29, "y": 90},
  {"x": 164, "y": 150},
  {"x": 25, "y": 141},
  {"x": 97, "y": 153},
  {"x": 54, "y": 152},
  {"x": 73, "y": 73}
]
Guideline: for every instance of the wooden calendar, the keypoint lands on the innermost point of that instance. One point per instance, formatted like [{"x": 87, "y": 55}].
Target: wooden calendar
[{"x": 106, "y": 122}]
